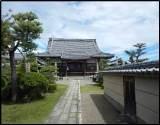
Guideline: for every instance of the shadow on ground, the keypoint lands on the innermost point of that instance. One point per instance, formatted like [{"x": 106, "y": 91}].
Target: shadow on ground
[{"x": 108, "y": 112}]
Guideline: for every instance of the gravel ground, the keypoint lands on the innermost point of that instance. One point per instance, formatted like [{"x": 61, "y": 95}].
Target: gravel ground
[{"x": 97, "y": 110}]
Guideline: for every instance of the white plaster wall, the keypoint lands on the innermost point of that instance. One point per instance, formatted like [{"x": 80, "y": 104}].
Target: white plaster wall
[
  {"x": 147, "y": 115},
  {"x": 146, "y": 92},
  {"x": 148, "y": 84},
  {"x": 147, "y": 98},
  {"x": 113, "y": 87}
]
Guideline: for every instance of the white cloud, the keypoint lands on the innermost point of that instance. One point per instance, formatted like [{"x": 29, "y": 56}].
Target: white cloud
[{"x": 115, "y": 25}]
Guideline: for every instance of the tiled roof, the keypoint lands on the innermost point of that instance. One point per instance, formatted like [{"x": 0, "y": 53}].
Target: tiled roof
[
  {"x": 40, "y": 61},
  {"x": 74, "y": 49},
  {"x": 18, "y": 56},
  {"x": 152, "y": 66}
]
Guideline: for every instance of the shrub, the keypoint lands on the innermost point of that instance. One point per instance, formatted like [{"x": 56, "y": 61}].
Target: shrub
[
  {"x": 52, "y": 87},
  {"x": 6, "y": 93},
  {"x": 34, "y": 67},
  {"x": 48, "y": 71},
  {"x": 21, "y": 67},
  {"x": 5, "y": 83},
  {"x": 5, "y": 88},
  {"x": 99, "y": 79},
  {"x": 32, "y": 86}
]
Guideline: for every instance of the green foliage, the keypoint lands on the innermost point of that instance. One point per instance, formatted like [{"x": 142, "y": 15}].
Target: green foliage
[
  {"x": 34, "y": 112},
  {"x": 52, "y": 87},
  {"x": 5, "y": 82},
  {"x": 134, "y": 55},
  {"x": 32, "y": 86},
  {"x": 98, "y": 79},
  {"x": 5, "y": 77},
  {"x": 34, "y": 67},
  {"x": 27, "y": 28},
  {"x": 31, "y": 57},
  {"x": 19, "y": 30},
  {"x": 23, "y": 27},
  {"x": 131, "y": 55},
  {"x": 33, "y": 79},
  {"x": 6, "y": 35},
  {"x": 91, "y": 88},
  {"x": 48, "y": 71},
  {"x": 103, "y": 63},
  {"x": 21, "y": 67},
  {"x": 140, "y": 50},
  {"x": 6, "y": 92}
]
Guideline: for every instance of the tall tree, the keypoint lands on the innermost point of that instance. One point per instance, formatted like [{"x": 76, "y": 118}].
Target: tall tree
[
  {"x": 131, "y": 55},
  {"x": 19, "y": 30},
  {"x": 120, "y": 61},
  {"x": 134, "y": 55},
  {"x": 139, "y": 52}
]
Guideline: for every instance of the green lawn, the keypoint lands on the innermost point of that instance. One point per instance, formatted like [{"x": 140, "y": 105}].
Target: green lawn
[
  {"x": 91, "y": 88},
  {"x": 34, "y": 112}
]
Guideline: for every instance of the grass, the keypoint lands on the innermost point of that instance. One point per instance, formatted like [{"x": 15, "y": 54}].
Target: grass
[
  {"x": 92, "y": 88},
  {"x": 34, "y": 112}
]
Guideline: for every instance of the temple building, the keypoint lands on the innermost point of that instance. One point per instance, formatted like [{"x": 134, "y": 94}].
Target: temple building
[{"x": 74, "y": 56}]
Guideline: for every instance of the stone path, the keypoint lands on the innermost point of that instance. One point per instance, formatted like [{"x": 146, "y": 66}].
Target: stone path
[{"x": 68, "y": 108}]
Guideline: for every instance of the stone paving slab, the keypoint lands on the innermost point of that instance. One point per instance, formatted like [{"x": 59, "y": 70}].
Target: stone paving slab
[{"x": 67, "y": 110}]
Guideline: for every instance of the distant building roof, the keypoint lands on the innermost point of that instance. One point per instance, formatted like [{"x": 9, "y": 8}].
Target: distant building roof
[
  {"x": 147, "y": 67},
  {"x": 40, "y": 61},
  {"x": 18, "y": 56},
  {"x": 74, "y": 49}
]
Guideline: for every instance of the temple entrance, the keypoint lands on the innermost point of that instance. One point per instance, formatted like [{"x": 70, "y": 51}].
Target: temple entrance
[{"x": 76, "y": 68}]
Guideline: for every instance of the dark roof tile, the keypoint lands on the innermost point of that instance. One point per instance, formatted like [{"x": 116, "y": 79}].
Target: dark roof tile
[
  {"x": 74, "y": 49},
  {"x": 152, "y": 66}
]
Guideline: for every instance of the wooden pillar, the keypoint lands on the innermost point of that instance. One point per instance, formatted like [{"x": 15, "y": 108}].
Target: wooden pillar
[
  {"x": 66, "y": 69},
  {"x": 37, "y": 64},
  {"x": 84, "y": 68},
  {"x": 55, "y": 64},
  {"x": 97, "y": 65}
]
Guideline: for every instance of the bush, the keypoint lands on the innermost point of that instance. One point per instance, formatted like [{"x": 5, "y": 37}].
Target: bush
[
  {"x": 5, "y": 83},
  {"x": 48, "y": 71},
  {"x": 99, "y": 79},
  {"x": 21, "y": 67},
  {"x": 5, "y": 88},
  {"x": 34, "y": 67},
  {"x": 52, "y": 87},
  {"x": 32, "y": 86},
  {"x": 6, "y": 93}
]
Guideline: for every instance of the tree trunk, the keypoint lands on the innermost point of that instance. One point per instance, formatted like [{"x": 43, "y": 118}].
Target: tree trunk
[{"x": 13, "y": 76}]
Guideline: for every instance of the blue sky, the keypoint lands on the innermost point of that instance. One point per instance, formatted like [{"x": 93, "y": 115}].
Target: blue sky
[{"x": 116, "y": 26}]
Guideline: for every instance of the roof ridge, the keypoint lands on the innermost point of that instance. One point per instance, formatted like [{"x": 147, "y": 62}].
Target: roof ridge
[
  {"x": 73, "y": 39},
  {"x": 136, "y": 65}
]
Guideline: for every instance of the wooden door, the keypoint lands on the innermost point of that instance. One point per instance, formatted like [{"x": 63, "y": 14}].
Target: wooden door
[{"x": 129, "y": 95}]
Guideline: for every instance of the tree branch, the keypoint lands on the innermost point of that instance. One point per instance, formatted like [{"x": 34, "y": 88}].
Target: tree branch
[
  {"x": 21, "y": 52},
  {"x": 16, "y": 46}
]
